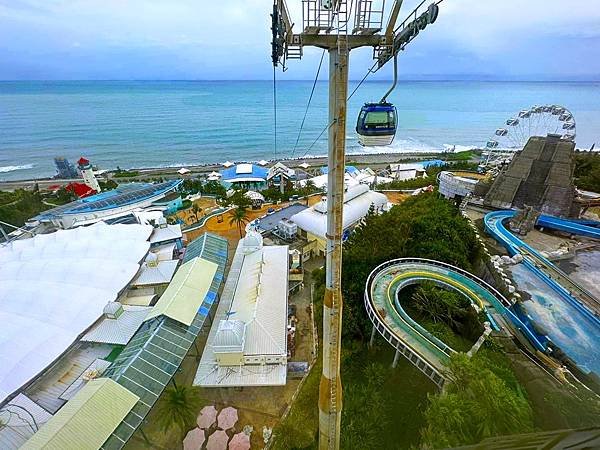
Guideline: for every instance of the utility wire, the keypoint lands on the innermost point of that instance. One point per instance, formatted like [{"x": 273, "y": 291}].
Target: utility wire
[{"x": 308, "y": 104}]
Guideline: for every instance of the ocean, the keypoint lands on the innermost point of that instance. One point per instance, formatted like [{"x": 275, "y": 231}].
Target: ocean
[{"x": 178, "y": 123}]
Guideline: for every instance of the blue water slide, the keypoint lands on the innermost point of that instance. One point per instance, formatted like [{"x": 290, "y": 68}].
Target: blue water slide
[
  {"x": 494, "y": 225},
  {"x": 580, "y": 228}
]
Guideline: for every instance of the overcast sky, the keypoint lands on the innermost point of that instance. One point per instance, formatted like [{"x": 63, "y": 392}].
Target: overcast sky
[{"x": 229, "y": 39}]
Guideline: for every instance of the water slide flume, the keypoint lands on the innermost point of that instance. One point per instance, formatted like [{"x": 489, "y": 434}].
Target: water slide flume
[
  {"x": 573, "y": 293},
  {"x": 410, "y": 339}
]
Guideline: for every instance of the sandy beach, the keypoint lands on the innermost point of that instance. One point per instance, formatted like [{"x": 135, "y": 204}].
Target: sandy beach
[{"x": 373, "y": 160}]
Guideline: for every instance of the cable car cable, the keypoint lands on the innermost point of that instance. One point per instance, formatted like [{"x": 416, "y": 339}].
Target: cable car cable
[
  {"x": 369, "y": 72},
  {"x": 274, "y": 112},
  {"x": 327, "y": 127}
]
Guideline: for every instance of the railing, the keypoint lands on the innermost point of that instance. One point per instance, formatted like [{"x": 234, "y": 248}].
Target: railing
[{"x": 501, "y": 304}]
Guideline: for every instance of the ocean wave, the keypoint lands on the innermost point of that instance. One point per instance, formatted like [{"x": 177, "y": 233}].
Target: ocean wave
[{"x": 4, "y": 169}]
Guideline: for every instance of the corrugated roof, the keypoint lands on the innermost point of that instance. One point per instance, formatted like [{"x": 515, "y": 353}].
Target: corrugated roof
[
  {"x": 186, "y": 292},
  {"x": 20, "y": 426},
  {"x": 120, "y": 330},
  {"x": 256, "y": 294},
  {"x": 168, "y": 233},
  {"x": 87, "y": 420},
  {"x": 160, "y": 274}
]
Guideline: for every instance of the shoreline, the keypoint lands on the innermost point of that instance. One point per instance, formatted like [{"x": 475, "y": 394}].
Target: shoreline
[{"x": 374, "y": 160}]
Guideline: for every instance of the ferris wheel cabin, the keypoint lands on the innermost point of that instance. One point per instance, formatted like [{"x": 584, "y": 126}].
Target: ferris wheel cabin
[{"x": 376, "y": 124}]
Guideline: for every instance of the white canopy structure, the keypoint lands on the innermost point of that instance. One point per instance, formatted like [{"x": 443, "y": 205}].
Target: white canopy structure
[
  {"x": 183, "y": 171},
  {"x": 227, "y": 164},
  {"x": 54, "y": 286},
  {"x": 305, "y": 165},
  {"x": 357, "y": 202},
  {"x": 263, "y": 162}
]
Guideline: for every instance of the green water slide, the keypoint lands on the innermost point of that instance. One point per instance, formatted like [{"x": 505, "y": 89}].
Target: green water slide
[{"x": 389, "y": 318}]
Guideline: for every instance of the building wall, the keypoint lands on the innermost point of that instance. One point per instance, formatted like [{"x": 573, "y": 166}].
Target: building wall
[{"x": 230, "y": 359}]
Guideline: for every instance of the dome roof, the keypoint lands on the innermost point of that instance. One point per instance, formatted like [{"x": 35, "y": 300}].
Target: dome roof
[
  {"x": 113, "y": 309},
  {"x": 253, "y": 241},
  {"x": 151, "y": 257},
  {"x": 230, "y": 336}
]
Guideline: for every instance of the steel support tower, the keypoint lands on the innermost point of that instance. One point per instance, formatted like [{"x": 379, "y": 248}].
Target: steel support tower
[{"x": 325, "y": 25}]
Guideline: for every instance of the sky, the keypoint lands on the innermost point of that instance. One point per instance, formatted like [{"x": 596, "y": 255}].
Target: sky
[{"x": 230, "y": 40}]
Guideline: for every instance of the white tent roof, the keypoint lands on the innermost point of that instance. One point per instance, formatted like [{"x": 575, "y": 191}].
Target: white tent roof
[
  {"x": 320, "y": 181},
  {"x": 305, "y": 165},
  {"x": 357, "y": 201},
  {"x": 183, "y": 171},
  {"x": 227, "y": 164},
  {"x": 55, "y": 286},
  {"x": 263, "y": 162},
  {"x": 253, "y": 195}
]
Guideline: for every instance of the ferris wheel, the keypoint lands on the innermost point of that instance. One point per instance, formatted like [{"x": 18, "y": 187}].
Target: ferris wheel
[{"x": 516, "y": 131}]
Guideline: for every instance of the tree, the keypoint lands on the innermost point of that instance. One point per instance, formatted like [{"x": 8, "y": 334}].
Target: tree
[
  {"x": 196, "y": 210},
  {"x": 365, "y": 413},
  {"x": 179, "y": 407},
  {"x": 423, "y": 226},
  {"x": 240, "y": 199},
  {"x": 239, "y": 218},
  {"x": 476, "y": 404}
]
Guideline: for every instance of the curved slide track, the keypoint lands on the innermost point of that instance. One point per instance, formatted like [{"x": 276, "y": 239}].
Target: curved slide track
[
  {"x": 575, "y": 294},
  {"x": 420, "y": 347}
]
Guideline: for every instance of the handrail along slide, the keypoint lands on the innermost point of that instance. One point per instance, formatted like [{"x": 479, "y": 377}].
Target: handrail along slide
[{"x": 425, "y": 351}]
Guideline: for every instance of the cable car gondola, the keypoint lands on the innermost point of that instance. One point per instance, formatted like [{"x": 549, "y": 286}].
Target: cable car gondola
[{"x": 377, "y": 122}]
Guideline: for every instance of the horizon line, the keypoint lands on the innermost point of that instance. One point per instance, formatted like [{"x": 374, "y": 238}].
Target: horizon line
[{"x": 504, "y": 80}]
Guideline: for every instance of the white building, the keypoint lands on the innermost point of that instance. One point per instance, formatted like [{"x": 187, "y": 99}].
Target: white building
[
  {"x": 247, "y": 343},
  {"x": 119, "y": 202},
  {"x": 88, "y": 174},
  {"x": 358, "y": 200},
  {"x": 54, "y": 287},
  {"x": 403, "y": 172}
]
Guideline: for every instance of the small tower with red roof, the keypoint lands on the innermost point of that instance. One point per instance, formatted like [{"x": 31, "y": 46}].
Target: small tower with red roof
[{"x": 87, "y": 173}]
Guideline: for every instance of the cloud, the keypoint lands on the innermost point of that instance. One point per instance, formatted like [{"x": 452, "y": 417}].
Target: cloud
[{"x": 229, "y": 39}]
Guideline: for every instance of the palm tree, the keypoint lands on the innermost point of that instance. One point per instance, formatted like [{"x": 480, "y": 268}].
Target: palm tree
[
  {"x": 179, "y": 406},
  {"x": 196, "y": 210},
  {"x": 239, "y": 218}
]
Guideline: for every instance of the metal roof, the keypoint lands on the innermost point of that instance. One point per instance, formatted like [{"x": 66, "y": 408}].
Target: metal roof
[
  {"x": 256, "y": 294},
  {"x": 269, "y": 222},
  {"x": 155, "y": 352},
  {"x": 123, "y": 195},
  {"x": 248, "y": 172},
  {"x": 164, "y": 234},
  {"x": 120, "y": 330},
  {"x": 160, "y": 274},
  {"x": 187, "y": 290},
  {"x": 87, "y": 420}
]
